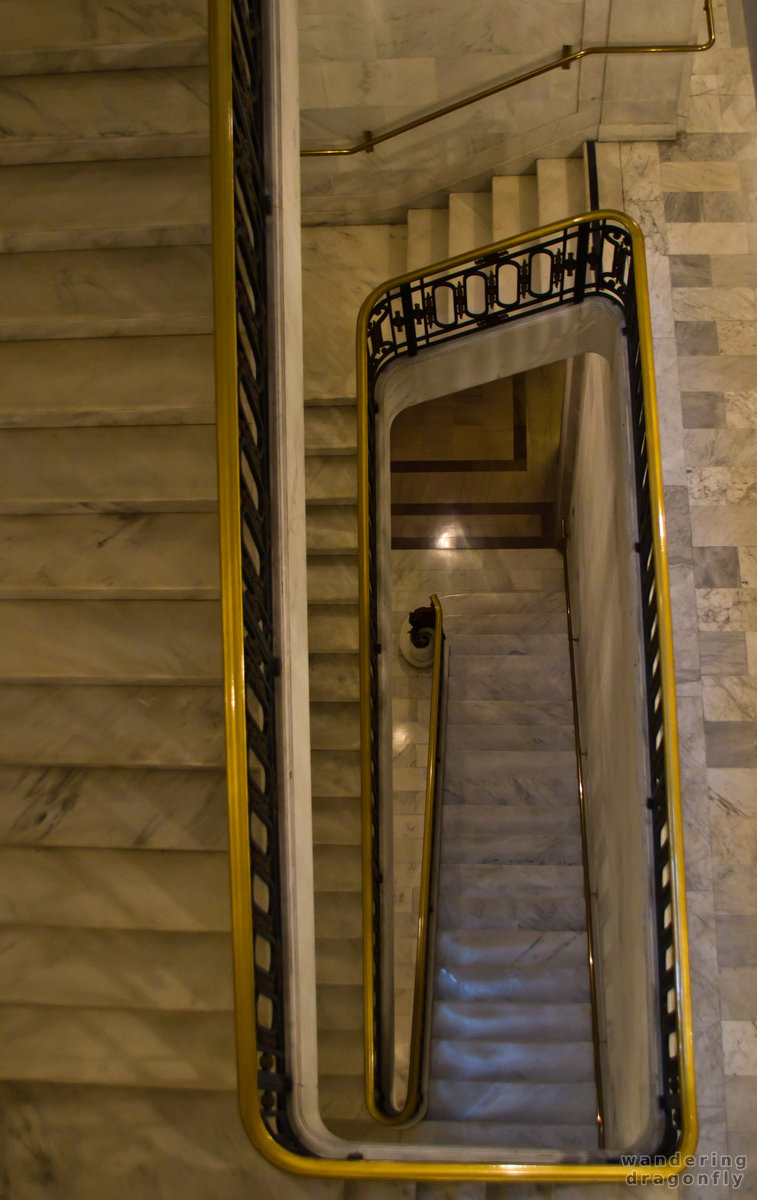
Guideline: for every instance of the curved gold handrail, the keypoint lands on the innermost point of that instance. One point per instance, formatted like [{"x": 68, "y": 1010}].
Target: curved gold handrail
[
  {"x": 370, "y": 140},
  {"x": 420, "y": 992}
]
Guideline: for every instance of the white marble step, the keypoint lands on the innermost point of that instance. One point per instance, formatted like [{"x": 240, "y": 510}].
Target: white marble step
[
  {"x": 489, "y": 881},
  {"x": 340, "y": 1053},
  {"x": 514, "y": 205},
  {"x": 493, "y": 608},
  {"x": 332, "y": 579},
  {"x": 485, "y": 779},
  {"x": 108, "y": 381},
  {"x": 531, "y": 1103},
  {"x": 340, "y": 1007},
  {"x": 341, "y": 1097},
  {"x": 59, "y": 35},
  {"x": 330, "y": 428},
  {"x": 114, "y": 889},
  {"x": 534, "y": 1023},
  {"x": 561, "y": 186},
  {"x": 116, "y": 808},
  {"x": 495, "y": 624},
  {"x": 151, "y": 468},
  {"x": 336, "y": 821},
  {"x": 103, "y": 726},
  {"x": 336, "y": 920},
  {"x": 157, "y": 113},
  {"x": 507, "y": 645},
  {"x": 92, "y": 205},
  {"x": 185, "y": 1142},
  {"x": 514, "y": 947},
  {"x": 337, "y": 869},
  {"x": 116, "y": 968},
  {"x": 335, "y": 773},
  {"x": 333, "y": 627},
  {"x": 470, "y": 221},
  {"x": 110, "y": 555},
  {"x": 497, "y": 1061},
  {"x": 331, "y": 478},
  {"x": 539, "y": 1136},
  {"x": 332, "y": 528},
  {"x": 123, "y": 641},
  {"x": 535, "y": 715},
  {"x": 333, "y": 677},
  {"x": 339, "y": 961},
  {"x": 556, "y": 848},
  {"x": 482, "y": 982},
  {"x": 335, "y": 726},
  {"x": 512, "y": 912},
  {"x": 117, "y": 1046},
  {"x": 489, "y": 736},
  {"x": 427, "y": 237},
  {"x": 106, "y": 293}
]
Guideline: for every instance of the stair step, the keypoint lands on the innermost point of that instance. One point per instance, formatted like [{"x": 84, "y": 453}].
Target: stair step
[
  {"x": 108, "y": 381},
  {"x": 484, "y": 529},
  {"x": 427, "y": 237},
  {"x": 335, "y": 773},
  {"x": 330, "y": 429},
  {"x": 505, "y": 948},
  {"x": 492, "y": 737},
  {"x": 501, "y": 1062},
  {"x": 493, "y": 625},
  {"x": 332, "y": 579},
  {"x": 482, "y": 881},
  {"x": 341, "y": 1097},
  {"x": 333, "y": 628},
  {"x": 508, "y": 646},
  {"x": 114, "y": 555},
  {"x": 340, "y": 1007},
  {"x": 473, "y": 1020},
  {"x": 496, "y": 607},
  {"x": 501, "y": 1136},
  {"x": 534, "y": 715},
  {"x": 531, "y": 1103},
  {"x": 336, "y": 821},
  {"x": 333, "y": 677},
  {"x": 514, "y": 205},
  {"x": 340, "y": 1053},
  {"x": 92, "y": 205},
  {"x": 486, "y": 777},
  {"x": 113, "y": 807},
  {"x": 331, "y": 478},
  {"x": 117, "y": 1046},
  {"x": 561, "y": 187},
  {"x": 538, "y": 849},
  {"x": 339, "y": 961},
  {"x": 498, "y": 822},
  {"x": 335, "y": 726},
  {"x": 59, "y": 36},
  {"x": 483, "y": 982},
  {"x": 137, "y": 726},
  {"x": 470, "y": 221},
  {"x": 115, "y": 889},
  {"x": 338, "y": 916},
  {"x": 157, "y": 113},
  {"x": 332, "y": 528},
  {"x": 512, "y": 912},
  {"x": 106, "y": 293},
  {"x": 337, "y": 868},
  {"x": 116, "y": 968},
  {"x": 113, "y": 641}
]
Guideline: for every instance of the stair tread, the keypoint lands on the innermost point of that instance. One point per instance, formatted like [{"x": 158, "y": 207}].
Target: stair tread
[
  {"x": 554, "y": 1102},
  {"x": 510, "y": 1062},
  {"x": 539, "y": 983},
  {"x": 513, "y": 912},
  {"x": 501, "y": 1136},
  {"x": 506, "y": 948},
  {"x": 538, "y": 850},
  {"x": 158, "y": 112}
]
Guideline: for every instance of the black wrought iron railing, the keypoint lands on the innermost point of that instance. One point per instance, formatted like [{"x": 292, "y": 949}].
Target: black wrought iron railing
[{"x": 596, "y": 255}]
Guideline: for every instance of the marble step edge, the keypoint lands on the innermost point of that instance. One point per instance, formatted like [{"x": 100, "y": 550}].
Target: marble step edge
[{"x": 491, "y": 1060}]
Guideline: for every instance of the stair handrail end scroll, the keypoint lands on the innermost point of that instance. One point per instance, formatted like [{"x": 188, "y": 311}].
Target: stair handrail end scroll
[{"x": 369, "y": 141}]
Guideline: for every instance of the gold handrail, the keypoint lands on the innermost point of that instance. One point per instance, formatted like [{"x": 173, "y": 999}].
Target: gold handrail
[
  {"x": 584, "y": 852},
  {"x": 370, "y": 140},
  {"x": 420, "y": 992}
]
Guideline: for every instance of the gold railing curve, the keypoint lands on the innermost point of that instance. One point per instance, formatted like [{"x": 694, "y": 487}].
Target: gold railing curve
[
  {"x": 370, "y": 140},
  {"x": 413, "y": 1097}
]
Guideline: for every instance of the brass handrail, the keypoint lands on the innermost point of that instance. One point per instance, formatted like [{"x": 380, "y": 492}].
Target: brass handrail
[
  {"x": 420, "y": 991},
  {"x": 584, "y": 851},
  {"x": 370, "y": 140}
]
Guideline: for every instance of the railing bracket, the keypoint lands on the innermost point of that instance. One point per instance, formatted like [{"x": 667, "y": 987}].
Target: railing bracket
[{"x": 567, "y": 50}]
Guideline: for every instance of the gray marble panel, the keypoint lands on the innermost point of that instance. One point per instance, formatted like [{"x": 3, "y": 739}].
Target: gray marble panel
[
  {"x": 728, "y": 148},
  {"x": 716, "y": 567},
  {"x": 104, "y": 115},
  {"x": 730, "y": 743},
  {"x": 723, "y": 653},
  {"x": 159, "y": 810},
  {"x": 703, "y": 410},
  {"x": 721, "y": 465},
  {"x": 118, "y": 555},
  {"x": 737, "y": 941},
  {"x": 116, "y": 968},
  {"x": 163, "y": 726},
  {"x": 727, "y": 609},
  {"x": 108, "y": 381},
  {"x": 115, "y": 889},
  {"x": 128, "y": 641},
  {"x": 708, "y": 1050},
  {"x": 724, "y": 206},
  {"x": 690, "y": 270},
  {"x": 738, "y": 992},
  {"x": 735, "y": 889},
  {"x": 104, "y": 293},
  {"x": 683, "y": 206}
]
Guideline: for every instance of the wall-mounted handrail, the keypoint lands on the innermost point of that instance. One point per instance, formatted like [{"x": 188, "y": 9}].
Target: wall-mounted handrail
[
  {"x": 370, "y": 140},
  {"x": 389, "y": 1115},
  {"x": 598, "y": 254}
]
